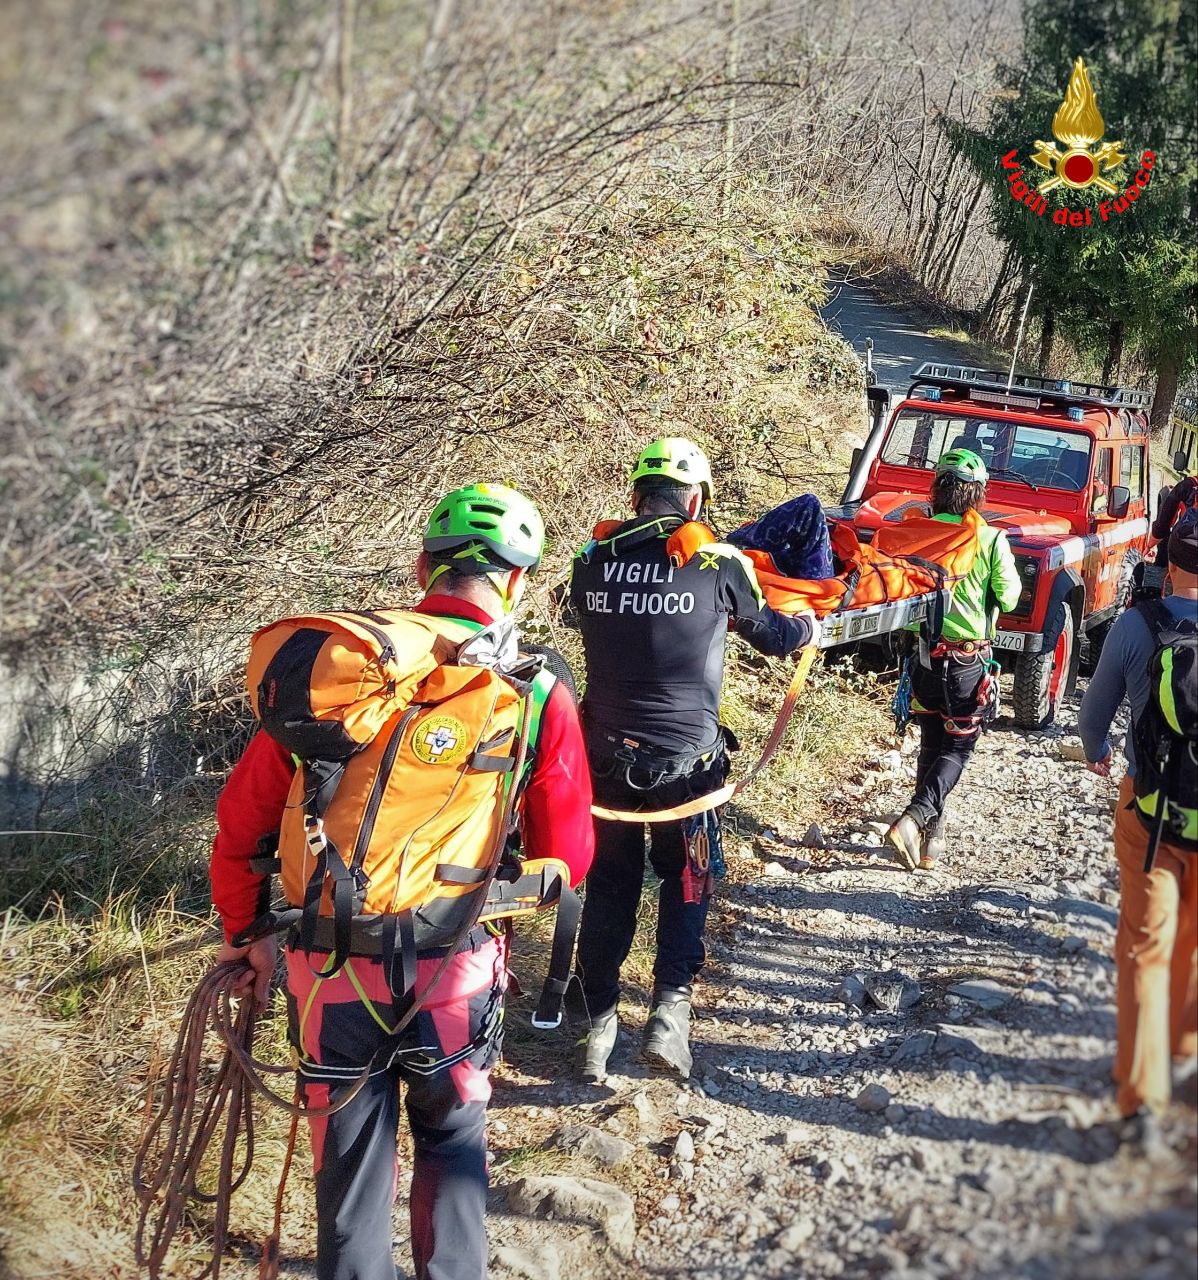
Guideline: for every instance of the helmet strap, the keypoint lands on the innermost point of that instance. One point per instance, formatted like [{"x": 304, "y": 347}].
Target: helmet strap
[
  {"x": 679, "y": 509},
  {"x": 438, "y": 572},
  {"x": 498, "y": 579}
]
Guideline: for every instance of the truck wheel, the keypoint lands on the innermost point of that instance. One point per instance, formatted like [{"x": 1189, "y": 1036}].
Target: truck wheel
[
  {"x": 1094, "y": 639},
  {"x": 1041, "y": 678}
]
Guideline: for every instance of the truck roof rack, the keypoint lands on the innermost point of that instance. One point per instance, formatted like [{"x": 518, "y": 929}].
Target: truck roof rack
[{"x": 958, "y": 377}]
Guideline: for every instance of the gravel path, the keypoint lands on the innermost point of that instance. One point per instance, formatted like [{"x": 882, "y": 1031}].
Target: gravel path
[
  {"x": 897, "y": 1075},
  {"x": 901, "y": 339}
]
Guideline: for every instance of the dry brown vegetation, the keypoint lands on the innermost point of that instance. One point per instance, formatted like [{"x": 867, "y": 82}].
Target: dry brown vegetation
[{"x": 274, "y": 274}]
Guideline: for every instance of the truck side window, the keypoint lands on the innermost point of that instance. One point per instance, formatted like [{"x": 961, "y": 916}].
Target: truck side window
[
  {"x": 1131, "y": 469},
  {"x": 1103, "y": 471}
]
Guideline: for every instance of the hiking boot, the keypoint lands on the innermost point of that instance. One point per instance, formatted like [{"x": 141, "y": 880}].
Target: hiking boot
[
  {"x": 667, "y": 1033},
  {"x": 932, "y": 848},
  {"x": 1141, "y": 1134},
  {"x": 905, "y": 837},
  {"x": 596, "y": 1046}
]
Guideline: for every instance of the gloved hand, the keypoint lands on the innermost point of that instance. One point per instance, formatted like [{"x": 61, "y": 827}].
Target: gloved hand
[{"x": 814, "y": 623}]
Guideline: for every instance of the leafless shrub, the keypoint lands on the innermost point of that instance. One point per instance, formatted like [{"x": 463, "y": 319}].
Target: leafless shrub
[{"x": 283, "y": 276}]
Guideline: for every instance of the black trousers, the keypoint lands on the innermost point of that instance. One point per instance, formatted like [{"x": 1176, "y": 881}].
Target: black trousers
[
  {"x": 946, "y": 706},
  {"x": 616, "y": 879}
]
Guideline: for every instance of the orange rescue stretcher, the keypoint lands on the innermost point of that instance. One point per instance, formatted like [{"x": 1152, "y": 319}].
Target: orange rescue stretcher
[{"x": 906, "y": 575}]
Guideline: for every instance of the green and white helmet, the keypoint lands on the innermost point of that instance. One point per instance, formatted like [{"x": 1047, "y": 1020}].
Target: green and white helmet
[
  {"x": 964, "y": 464},
  {"x": 675, "y": 458},
  {"x": 485, "y": 526}
]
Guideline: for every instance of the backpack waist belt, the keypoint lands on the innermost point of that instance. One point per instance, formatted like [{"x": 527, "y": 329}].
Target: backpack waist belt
[
  {"x": 367, "y": 938},
  {"x": 405, "y": 937}
]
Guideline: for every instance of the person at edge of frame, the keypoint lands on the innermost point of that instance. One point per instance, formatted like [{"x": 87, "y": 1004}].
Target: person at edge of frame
[{"x": 1156, "y": 943}]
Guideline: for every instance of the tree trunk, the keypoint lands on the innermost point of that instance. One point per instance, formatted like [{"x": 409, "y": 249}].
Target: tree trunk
[
  {"x": 1114, "y": 353},
  {"x": 954, "y": 257},
  {"x": 1168, "y": 373},
  {"x": 989, "y": 317},
  {"x": 1048, "y": 332}
]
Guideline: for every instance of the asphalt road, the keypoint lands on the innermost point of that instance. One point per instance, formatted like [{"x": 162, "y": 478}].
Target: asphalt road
[
  {"x": 901, "y": 339},
  {"x": 902, "y": 342}
]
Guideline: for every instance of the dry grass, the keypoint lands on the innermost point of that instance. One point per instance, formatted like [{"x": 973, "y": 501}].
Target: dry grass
[
  {"x": 102, "y": 997},
  {"x": 238, "y": 378}
]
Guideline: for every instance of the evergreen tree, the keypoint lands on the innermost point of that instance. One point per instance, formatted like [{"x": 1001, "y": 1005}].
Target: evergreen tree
[{"x": 1129, "y": 282}]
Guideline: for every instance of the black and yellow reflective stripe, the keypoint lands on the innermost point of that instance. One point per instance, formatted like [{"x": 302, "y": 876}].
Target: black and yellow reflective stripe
[{"x": 1165, "y": 694}]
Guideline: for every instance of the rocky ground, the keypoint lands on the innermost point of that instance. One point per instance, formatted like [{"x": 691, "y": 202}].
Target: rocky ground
[{"x": 896, "y": 1075}]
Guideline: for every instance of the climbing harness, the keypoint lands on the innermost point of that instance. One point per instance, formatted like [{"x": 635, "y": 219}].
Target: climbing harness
[
  {"x": 720, "y": 796},
  {"x": 986, "y": 696},
  {"x": 648, "y": 769}
]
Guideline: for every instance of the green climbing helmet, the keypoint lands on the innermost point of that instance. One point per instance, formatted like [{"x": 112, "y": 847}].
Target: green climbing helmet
[
  {"x": 964, "y": 464},
  {"x": 486, "y": 526},
  {"x": 674, "y": 458}
]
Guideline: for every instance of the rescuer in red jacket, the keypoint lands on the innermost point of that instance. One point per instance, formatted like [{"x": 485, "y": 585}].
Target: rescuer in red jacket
[{"x": 445, "y": 1054}]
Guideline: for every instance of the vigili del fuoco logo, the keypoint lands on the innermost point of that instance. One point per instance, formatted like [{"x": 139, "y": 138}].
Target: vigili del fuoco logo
[{"x": 1081, "y": 161}]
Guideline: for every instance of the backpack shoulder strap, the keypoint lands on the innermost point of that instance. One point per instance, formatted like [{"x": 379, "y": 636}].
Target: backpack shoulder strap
[
  {"x": 1162, "y": 625},
  {"x": 539, "y": 691},
  {"x": 688, "y": 539}
]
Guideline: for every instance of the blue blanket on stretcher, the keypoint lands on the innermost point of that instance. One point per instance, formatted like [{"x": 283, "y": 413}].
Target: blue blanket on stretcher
[{"x": 795, "y": 534}]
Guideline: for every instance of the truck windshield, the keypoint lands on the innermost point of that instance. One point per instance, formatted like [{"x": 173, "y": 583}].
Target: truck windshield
[{"x": 1043, "y": 456}]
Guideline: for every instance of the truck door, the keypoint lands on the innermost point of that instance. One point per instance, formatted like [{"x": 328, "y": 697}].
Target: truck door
[
  {"x": 1132, "y": 459},
  {"x": 1102, "y": 562}
]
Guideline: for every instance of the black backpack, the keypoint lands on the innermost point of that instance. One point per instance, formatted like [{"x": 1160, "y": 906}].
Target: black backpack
[{"x": 1166, "y": 734}]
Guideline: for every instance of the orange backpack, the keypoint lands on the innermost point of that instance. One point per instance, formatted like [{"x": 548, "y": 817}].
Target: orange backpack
[{"x": 411, "y": 756}]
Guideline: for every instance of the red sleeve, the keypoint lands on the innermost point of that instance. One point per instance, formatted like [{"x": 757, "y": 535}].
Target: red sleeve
[
  {"x": 250, "y": 807},
  {"x": 556, "y": 812}
]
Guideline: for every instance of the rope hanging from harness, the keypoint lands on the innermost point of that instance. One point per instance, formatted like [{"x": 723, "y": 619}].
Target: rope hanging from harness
[{"x": 721, "y": 796}]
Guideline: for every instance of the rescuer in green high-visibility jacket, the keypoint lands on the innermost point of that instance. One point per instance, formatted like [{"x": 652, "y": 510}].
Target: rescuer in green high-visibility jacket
[{"x": 953, "y": 682}]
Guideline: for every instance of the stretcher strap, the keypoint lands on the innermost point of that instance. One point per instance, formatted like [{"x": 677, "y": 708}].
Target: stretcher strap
[
  {"x": 548, "y": 1014},
  {"x": 713, "y": 799}
]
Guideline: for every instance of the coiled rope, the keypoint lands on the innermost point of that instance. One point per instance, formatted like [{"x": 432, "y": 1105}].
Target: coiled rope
[{"x": 171, "y": 1155}]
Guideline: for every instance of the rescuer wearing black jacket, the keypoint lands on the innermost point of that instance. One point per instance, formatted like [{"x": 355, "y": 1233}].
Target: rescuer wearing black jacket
[{"x": 653, "y": 634}]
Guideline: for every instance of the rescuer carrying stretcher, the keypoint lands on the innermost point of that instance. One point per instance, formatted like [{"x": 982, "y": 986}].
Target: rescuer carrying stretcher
[
  {"x": 653, "y": 631},
  {"x": 953, "y": 677}
]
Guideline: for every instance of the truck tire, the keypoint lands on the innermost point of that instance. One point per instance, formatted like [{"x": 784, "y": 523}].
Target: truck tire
[
  {"x": 1041, "y": 678},
  {"x": 1095, "y": 638}
]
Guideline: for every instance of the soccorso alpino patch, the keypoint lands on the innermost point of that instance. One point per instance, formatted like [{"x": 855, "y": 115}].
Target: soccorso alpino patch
[{"x": 439, "y": 739}]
